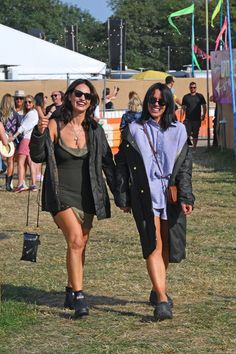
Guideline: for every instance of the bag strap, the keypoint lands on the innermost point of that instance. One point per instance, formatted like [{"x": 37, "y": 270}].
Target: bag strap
[
  {"x": 38, "y": 201},
  {"x": 152, "y": 148}
]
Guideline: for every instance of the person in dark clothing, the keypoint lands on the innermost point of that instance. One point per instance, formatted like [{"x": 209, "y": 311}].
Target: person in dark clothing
[
  {"x": 55, "y": 108},
  {"x": 77, "y": 153},
  {"x": 134, "y": 110},
  {"x": 194, "y": 106},
  {"x": 152, "y": 156}
]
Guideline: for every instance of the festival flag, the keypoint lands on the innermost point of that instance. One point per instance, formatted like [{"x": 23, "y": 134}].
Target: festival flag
[
  {"x": 185, "y": 11},
  {"x": 216, "y": 11},
  {"x": 196, "y": 61},
  {"x": 200, "y": 53},
  {"x": 222, "y": 31}
]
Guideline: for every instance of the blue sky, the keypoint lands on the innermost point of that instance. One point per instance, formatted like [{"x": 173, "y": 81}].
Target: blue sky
[{"x": 97, "y": 8}]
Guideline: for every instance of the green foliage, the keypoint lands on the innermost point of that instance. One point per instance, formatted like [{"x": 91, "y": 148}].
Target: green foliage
[
  {"x": 51, "y": 17},
  {"x": 149, "y": 34}
]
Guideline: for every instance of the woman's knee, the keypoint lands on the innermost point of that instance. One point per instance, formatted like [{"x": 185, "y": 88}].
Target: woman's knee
[{"x": 76, "y": 243}]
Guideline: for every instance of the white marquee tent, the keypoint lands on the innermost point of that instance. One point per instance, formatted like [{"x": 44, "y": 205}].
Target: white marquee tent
[{"x": 28, "y": 57}]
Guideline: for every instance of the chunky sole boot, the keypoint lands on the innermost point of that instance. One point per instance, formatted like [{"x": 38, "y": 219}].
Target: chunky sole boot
[
  {"x": 154, "y": 302},
  {"x": 163, "y": 312},
  {"x": 81, "y": 307},
  {"x": 9, "y": 183},
  {"x": 69, "y": 299}
]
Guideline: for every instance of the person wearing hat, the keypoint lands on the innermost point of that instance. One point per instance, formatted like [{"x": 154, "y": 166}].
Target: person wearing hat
[{"x": 19, "y": 98}]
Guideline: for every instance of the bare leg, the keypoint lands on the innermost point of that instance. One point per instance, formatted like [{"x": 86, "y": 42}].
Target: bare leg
[
  {"x": 21, "y": 169},
  {"x": 165, "y": 242},
  {"x": 10, "y": 166},
  {"x": 156, "y": 266},
  {"x": 76, "y": 242},
  {"x": 32, "y": 166},
  {"x": 86, "y": 236}
]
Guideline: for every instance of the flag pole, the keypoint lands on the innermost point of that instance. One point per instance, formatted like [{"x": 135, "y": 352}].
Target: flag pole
[
  {"x": 231, "y": 72},
  {"x": 193, "y": 43},
  {"x": 207, "y": 72}
]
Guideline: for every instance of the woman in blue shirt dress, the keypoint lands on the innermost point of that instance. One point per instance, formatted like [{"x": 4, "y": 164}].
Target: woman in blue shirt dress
[{"x": 153, "y": 155}]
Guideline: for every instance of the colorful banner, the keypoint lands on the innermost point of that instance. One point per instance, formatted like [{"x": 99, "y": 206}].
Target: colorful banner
[
  {"x": 185, "y": 11},
  {"x": 220, "y": 73},
  {"x": 200, "y": 53},
  {"x": 216, "y": 11},
  {"x": 222, "y": 31}
]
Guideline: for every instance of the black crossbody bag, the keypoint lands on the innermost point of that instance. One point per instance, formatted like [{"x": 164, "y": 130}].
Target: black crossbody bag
[{"x": 31, "y": 240}]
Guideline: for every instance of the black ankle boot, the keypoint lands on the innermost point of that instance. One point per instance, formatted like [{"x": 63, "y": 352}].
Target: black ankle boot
[
  {"x": 81, "y": 307},
  {"x": 154, "y": 301},
  {"x": 8, "y": 183},
  {"x": 69, "y": 300}
]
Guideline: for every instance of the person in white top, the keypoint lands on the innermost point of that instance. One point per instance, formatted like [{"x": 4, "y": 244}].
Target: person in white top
[{"x": 29, "y": 121}]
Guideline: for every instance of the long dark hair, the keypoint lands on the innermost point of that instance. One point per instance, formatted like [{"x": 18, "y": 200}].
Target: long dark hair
[
  {"x": 168, "y": 116},
  {"x": 39, "y": 99},
  {"x": 67, "y": 110}
]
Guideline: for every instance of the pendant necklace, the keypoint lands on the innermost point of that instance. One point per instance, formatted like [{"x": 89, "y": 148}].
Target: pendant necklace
[{"x": 76, "y": 134}]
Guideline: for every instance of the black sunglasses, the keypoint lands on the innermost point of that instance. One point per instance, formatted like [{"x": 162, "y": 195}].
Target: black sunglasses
[
  {"x": 153, "y": 100},
  {"x": 54, "y": 95},
  {"x": 87, "y": 96},
  {"x": 28, "y": 101},
  {"x": 19, "y": 98},
  {"x": 193, "y": 87}
]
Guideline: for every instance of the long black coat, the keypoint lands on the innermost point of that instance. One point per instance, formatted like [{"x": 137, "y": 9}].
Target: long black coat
[
  {"x": 133, "y": 191},
  {"x": 100, "y": 160}
]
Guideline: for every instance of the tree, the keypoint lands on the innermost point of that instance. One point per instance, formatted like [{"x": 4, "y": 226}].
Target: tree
[
  {"x": 51, "y": 17},
  {"x": 149, "y": 34}
]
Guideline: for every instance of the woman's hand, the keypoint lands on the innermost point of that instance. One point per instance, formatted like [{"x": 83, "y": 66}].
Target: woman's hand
[
  {"x": 126, "y": 209},
  {"x": 43, "y": 124},
  {"x": 11, "y": 138},
  {"x": 52, "y": 109},
  {"x": 186, "y": 208}
]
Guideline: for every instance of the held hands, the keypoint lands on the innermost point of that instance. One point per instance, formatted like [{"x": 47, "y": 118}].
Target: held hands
[
  {"x": 187, "y": 208},
  {"x": 126, "y": 209}
]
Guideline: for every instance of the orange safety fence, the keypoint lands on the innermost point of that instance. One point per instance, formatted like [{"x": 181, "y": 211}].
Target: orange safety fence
[
  {"x": 110, "y": 122},
  {"x": 203, "y": 132}
]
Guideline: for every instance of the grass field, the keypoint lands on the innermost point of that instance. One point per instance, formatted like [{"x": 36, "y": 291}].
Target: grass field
[{"x": 116, "y": 283}]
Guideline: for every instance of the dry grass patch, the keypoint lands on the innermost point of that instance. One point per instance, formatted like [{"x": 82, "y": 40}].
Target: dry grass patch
[{"x": 116, "y": 282}]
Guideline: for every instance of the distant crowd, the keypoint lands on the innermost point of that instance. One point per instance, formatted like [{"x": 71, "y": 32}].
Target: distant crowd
[{"x": 19, "y": 113}]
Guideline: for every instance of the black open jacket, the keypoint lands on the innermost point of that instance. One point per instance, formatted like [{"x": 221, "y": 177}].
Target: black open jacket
[
  {"x": 100, "y": 160},
  {"x": 133, "y": 191}
]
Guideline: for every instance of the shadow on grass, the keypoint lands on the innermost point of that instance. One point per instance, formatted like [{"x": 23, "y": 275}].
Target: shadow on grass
[
  {"x": 144, "y": 319},
  {"x": 3, "y": 236},
  {"x": 54, "y": 298}
]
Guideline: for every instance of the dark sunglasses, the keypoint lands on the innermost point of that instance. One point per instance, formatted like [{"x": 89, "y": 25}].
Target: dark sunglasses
[
  {"x": 87, "y": 96},
  {"x": 193, "y": 87},
  {"x": 54, "y": 95},
  {"x": 19, "y": 98},
  {"x": 153, "y": 100},
  {"x": 28, "y": 101}
]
